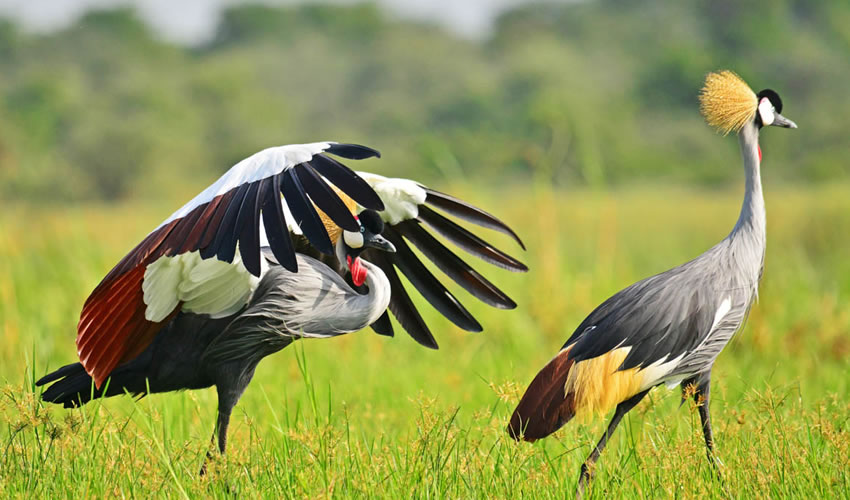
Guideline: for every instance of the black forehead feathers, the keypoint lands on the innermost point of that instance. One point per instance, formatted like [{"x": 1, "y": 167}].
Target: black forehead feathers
[
  {"x": 371, "y": 221},
  {"x": 773, "y": 97}
]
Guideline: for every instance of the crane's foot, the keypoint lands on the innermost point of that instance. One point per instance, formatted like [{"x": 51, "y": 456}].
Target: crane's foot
[
  {"x": 203, "y": 471},
  {"x": 583, "y": 480},
  {"x": 717, "y": 466}
]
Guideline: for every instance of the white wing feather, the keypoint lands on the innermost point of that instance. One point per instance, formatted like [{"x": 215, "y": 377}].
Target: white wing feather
[
  {"x": 203, "y": 286},
  {"x": 401, "y": 197}
]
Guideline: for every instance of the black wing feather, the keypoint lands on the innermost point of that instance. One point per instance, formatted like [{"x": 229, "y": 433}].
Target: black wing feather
[
  {"x": 469, "y": 213},
  {"x": 205, "y": 244},
  {"x": 274, "y": 222},
  {"x": 348, "y": 181},
  {"x": 249, "y": 236},
  {"x": 468, "y": 241},
  {"x": 383, "y": 325},
  {"x": 429, "y": 286},
  {"x": 454, "y": 267},
  {"x": 353, "y": 151},
  {"x": 224, "y": 244},
  {"x": 400, "y": 303},
  {"x": 237, "y": 220},
  {"x": 304, "y": 213},
  {"x": 325, "y": 197}
]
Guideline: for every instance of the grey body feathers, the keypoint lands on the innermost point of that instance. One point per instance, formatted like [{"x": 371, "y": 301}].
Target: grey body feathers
[{"x": 689, "y": 313}]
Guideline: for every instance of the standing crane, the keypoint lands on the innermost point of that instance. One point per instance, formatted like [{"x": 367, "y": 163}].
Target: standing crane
[
  {"x": 289, "y": 243},
  {"x": 669, "y": 328}
]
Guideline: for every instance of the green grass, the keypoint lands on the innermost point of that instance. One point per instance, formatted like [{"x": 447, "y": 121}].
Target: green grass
[{"x": 366, "y": 416}]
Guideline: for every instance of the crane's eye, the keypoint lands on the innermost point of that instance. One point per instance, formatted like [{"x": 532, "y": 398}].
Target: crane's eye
[
  {"x": 352, "y": 239},
  {"x": 766, "y": 111},
  {"x": 371, "y": 221}
]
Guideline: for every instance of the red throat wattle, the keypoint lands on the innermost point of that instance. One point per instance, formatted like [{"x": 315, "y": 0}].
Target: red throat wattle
[
  {"x": 358, "y": 271},
  {"x": 759, "y": 154}
]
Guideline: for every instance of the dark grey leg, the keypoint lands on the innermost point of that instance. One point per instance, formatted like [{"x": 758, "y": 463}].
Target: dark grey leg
[
  {"x": 228, "y": 395},
  {"x": 701, "y": 393},
  {"x": 622, "y": 409},
  {"x": 221, "y": 424},
  {"x": 701, "y": 396}
]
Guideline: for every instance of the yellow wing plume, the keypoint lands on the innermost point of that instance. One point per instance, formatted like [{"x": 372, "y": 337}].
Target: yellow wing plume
[{"x": 334, "y": 231}]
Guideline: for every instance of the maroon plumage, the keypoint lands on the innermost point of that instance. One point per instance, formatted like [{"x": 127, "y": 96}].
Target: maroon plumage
[{"x": 544, "y": 407}]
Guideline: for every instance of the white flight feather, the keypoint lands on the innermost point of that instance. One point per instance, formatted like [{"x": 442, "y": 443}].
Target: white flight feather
[
  {"x": 655, "y": 372},
  {"x": 401, "y": 197},
  {"x": 722, "y": 311}
]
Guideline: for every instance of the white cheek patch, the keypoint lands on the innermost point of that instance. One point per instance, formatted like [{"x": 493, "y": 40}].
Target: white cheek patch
[
  {"x": 352, "y": 239},
  {"x": 766, "y": 111}
]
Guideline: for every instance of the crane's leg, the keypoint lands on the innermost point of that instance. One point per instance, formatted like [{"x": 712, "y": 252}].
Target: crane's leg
[
  {"x": 701, "y": 396},
  {"x": 586, "y": 472},
  {"x": 221, "y": 426},
  {"x": 701, "y": 393},
  {"x": 229, "y": 392},
  {"x": 220, "y": 431}
]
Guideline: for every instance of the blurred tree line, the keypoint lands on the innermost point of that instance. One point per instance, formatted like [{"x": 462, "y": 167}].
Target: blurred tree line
[{"x": 595, "y": 93}]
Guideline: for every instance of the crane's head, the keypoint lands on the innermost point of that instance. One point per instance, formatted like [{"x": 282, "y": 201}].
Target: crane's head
[
  {"x": 369, "y": 236},
  {"x": 728, "y": 104}
]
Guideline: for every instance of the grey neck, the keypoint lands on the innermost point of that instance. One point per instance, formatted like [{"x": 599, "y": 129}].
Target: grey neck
[{"x": 751, "y": 222}]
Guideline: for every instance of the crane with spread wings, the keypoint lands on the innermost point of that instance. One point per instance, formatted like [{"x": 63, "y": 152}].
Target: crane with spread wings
[{"x": 288, "y": 243}]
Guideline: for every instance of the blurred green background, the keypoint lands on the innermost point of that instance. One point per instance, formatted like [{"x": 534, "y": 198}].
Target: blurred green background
[{"x": 594, "y": 93}]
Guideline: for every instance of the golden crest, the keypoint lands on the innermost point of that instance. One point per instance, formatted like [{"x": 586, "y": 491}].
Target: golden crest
[{"x": 726, "y": 102}]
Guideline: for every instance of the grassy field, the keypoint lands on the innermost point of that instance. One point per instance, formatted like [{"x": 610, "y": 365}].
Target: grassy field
[{"x": 366, "y": 416}]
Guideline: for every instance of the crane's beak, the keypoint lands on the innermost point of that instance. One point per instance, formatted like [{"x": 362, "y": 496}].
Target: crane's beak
[
  {"x": 781, "y": 121},
  {"x": 378, "y": 242}
]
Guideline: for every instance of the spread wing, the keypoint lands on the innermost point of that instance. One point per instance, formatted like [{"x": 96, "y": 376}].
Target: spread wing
[
  {"x": 413, "y": 213},
  {"x": 173, "y": 265}
]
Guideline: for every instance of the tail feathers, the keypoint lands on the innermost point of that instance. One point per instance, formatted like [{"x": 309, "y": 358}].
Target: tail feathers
[
  {"x": 72, "y": 386},
  {"x": 545, "y": 406},
  {"x": 62, "y": 372}
]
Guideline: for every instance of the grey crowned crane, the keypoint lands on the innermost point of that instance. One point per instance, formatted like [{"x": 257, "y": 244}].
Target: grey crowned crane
[
  {"x": 669, "y": 328},
  {"x": 289, "y": 243}
]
